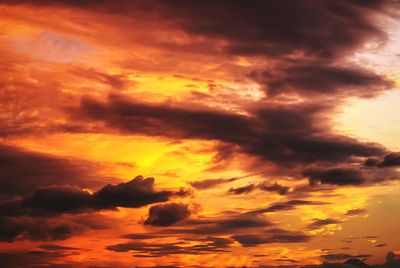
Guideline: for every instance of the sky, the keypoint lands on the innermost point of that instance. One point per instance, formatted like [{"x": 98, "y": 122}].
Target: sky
[{"x": 207, "y": 133}]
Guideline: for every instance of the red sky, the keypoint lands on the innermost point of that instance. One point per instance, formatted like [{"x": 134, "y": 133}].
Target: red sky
[{"x": 199, "y": 133}]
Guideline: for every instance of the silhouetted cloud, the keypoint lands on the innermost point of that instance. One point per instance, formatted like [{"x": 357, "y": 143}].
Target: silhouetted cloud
[
  {"x": 146, "y": 249},
  {"x": 33, "y": 217},
  {"x": 59, "y": 199},
  {"x": 135, "y": 193},
  {"x": 54, "y": 247},
  {"x": 276, "y": 187},
  {"x": 354, "y": 212},
  {"x": 319, "y": 78},
  {"x": 242, "y": 190},
  {"x": 167, "y": 214},
  {"x": 285, "y": 134},
  {"x": 318, "y": 223},
  {"x": 390, "y": 160},
  {"x": 262, "y": 27},
  {"x": 210, "y": 183},
  {"x": 271, "y": 236},
  {"x": 288, "y": 205},
  {"x": 282, "y": 190},
  {"x": 336, "y": 176},
  {"x": 33, "y": 258},
  {"x": 343, "y": 256},
  {"x": 21, "y": 171},
  {"x": 34, "y": 229}
]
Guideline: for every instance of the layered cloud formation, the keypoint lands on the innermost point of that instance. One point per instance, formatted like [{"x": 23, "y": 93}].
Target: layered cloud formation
[{"x": 235, "y": 108}]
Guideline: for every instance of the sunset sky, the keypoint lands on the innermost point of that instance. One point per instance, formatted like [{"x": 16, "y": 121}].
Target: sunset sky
[{"x": 215, "y": 133}]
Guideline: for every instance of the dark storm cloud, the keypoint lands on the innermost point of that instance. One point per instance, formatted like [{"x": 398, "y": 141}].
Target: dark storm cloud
[
  {"x": 318, "y": 223},
  {"x": 167, "y": 214},
  {"x": 21, "y": 171},
  {"x": 59, "y": 199},
  {"x": 210, "y": 183}
]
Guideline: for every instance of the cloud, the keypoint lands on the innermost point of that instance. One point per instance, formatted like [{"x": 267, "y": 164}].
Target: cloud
[
  {"x": 355, "y": 212},
  {"x": 22, "y": 170},
  {"x": 26, "y": 228},
  {"x": 288, "y": 205},
  {"x": 319, "y": 78},
  {"x": 335, "y": 176},
  {"x": 271, "y": 236},
  {"x": 282, "y": 190},
  {"x": 39, "y": 216},
  {"x": 33, "y": 258},
  {"x": 59, "y": 199},
  {"x": 261, "y": 28},
  {"x": 390, "y": 160},
  {"x": 210, "y": 183},
  {"x": 343, "y": 256},
  {"x": 54, "y": 247},
  {"x": 318, "y": 223},
  {"x": 167, "y": 214},
  {"x": 217, "y": 225},
  {"x": 207, "y": 245},
  {"x": 287, "y": 135},
  {"x": 135, "y": 193},
  {"x": 243, "y": 190}
]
